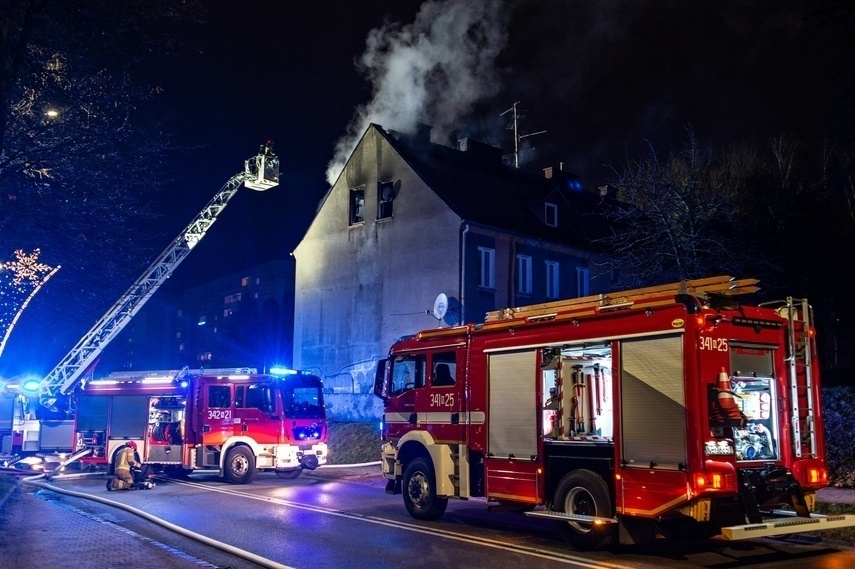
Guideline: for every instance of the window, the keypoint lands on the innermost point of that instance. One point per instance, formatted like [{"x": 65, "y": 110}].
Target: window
[
  {"x": 219, "y": 396},
  {"x": 487, "y": 261},
  {"x": 254, "y": 396},
  {"x": 550, "y": 214},
  {"x": 202, "y": 320},
  {"x": 228, "y": 312},
  {"x": 407, "y": 373},
  {"x": 244, "y": 281},
  {"x": 232, "y": 298},
  {"x": 357, "y": 206},
  {"x": 551, "y": 279},
  {"x": 444, "y": 369},
  {"x": 385, "y": 196},
  {"x": 523, "y": 274},
  {"x": 582, "y": 280}
]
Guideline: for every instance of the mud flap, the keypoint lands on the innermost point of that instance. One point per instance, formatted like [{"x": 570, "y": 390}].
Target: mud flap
[
  {"x": 632, "y": 530},
  {"x": 393, "y": 486}
]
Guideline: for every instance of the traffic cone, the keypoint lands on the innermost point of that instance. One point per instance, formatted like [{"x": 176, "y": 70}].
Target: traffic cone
[{"x": 728, "y": 407}]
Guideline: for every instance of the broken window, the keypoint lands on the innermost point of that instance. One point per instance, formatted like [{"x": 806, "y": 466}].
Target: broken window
[
  {"x": 385, "y": 197},
  {"x": 357, "y": 206}
]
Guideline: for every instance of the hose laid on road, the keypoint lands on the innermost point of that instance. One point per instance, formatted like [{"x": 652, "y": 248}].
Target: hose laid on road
[
  {"x": 237, "y": 552},
  {"x": 376, "y": 463}
]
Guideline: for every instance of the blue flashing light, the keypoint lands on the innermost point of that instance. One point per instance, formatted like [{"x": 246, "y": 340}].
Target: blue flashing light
[
  {"x": 184, "y": 384},
  {"x": 280, "y": 370},
  {"x": 31, "y": 385}
]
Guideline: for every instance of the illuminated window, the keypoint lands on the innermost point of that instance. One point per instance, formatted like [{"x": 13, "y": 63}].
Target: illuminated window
[
  {"x": 204, "y": 357},
  {"x": 244, "y": 281},
  {"x": 228, "y": 312},
  {"x": 523, "y": 274},
  {"x": 357, "y": 206},
  {"x": 487, "y": 267},
  {"x": 181, "y": 347},
  {"x": 551, "y": 279},
  {"x": 202, "y": 320}
]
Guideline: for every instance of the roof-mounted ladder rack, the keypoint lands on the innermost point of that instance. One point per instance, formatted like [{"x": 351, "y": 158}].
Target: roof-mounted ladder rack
[{"x": 722, "y": 285}]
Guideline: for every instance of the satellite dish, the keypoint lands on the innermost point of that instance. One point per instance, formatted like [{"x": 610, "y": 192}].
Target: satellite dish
[{"x": 440, "y": 306}]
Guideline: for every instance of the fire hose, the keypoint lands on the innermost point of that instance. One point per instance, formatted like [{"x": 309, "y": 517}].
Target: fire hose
[{"x": 237, "y": 552}]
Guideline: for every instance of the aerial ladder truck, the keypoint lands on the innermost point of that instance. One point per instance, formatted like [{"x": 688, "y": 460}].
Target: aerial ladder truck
[{"x": 29, "y": 434}]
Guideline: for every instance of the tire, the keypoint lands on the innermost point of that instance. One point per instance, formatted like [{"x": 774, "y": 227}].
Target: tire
[
  {"x": 240, "y": 465},
  {"x": 420, "y": 491},
  {"x": 585, "y": 493},
  {"x": 289, "y": 474}
]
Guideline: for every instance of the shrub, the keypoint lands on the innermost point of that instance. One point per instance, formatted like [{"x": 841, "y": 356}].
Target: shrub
[{"x": 837, "y": 405}]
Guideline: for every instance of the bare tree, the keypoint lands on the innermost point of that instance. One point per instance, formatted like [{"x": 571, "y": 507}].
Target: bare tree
[
  {"x": 82, "y": 146},
  {"x": 673, "y": 219}
]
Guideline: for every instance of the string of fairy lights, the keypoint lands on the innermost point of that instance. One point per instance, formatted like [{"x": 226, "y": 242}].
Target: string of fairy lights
[{"x": 20, "y": 280}]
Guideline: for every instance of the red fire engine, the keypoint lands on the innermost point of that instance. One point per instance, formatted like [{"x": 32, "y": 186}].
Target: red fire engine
[
  {"x": 673, "y": 410},
  {"x": 235, "y": 421}
]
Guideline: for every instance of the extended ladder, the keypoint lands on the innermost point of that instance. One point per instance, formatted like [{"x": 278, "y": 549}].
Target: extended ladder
[
  {"x": 800, "y": 371},
  {"x": 261, "y": 172},
  {"x": 722, "y": 285}
]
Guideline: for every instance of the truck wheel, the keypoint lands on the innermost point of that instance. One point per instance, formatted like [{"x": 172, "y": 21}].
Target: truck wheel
[
  {"x": 585, "y": 493},
  {"x": 420, "y": 491},
  {"x": 240, "y": 465},
  {"x": 289, "y": 474}
]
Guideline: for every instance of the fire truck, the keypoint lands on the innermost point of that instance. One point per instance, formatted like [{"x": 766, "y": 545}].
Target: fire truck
[
  {"x": 235, "y": 421},
  {"x": 36, "y": 416},
  {"x": 675, "y": 410}
]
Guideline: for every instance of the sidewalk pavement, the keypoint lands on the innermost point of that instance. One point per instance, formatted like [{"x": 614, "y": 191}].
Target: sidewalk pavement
[{"x": 41, "y": 530}]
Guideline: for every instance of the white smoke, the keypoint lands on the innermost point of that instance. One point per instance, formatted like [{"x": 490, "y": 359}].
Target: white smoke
[{"x": 433, "y": 70}]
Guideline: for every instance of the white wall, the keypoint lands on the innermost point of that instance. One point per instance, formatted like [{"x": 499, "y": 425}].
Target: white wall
[{"x": 358, "y": 289}]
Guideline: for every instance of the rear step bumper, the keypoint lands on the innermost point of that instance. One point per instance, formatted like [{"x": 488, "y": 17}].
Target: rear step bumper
[{"x": 783, "y": 526}]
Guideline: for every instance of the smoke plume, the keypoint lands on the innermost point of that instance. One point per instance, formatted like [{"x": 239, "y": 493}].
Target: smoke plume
[{"x": 434, "y": 70}]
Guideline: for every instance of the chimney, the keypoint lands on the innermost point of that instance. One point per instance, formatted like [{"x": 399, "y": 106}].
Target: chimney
[{"x": 480, "y": 151}]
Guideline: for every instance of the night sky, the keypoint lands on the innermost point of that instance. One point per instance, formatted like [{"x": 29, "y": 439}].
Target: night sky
[{"x": 603, "y": 78}]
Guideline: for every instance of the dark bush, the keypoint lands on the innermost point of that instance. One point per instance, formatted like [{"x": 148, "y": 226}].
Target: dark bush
[{"x": 837, "y": 407}]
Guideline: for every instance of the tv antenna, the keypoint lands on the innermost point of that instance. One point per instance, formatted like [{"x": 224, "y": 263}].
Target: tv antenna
[{"x": 514, "y": 125}]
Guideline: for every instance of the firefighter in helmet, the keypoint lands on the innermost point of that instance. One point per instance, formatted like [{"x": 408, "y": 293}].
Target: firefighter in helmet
[{"x": 125, "y": 461}]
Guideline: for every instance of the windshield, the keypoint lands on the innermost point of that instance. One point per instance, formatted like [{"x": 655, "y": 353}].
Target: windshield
[{"x": 303, "y": 397}]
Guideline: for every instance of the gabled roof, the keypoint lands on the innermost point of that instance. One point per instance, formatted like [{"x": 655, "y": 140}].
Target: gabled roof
[{"x": 481, "y": 190}]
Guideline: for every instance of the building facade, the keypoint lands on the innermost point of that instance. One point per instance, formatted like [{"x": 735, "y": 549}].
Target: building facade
[
  {"x": 409, "y": 220},
  {"x": 241, "y": 320}
]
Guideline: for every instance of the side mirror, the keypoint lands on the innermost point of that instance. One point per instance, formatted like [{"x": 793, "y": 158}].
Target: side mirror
[{"x": 380, "y": 383}]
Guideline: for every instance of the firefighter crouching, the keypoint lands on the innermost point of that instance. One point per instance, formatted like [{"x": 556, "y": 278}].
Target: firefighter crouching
[{"x": 126, "y": 468}]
